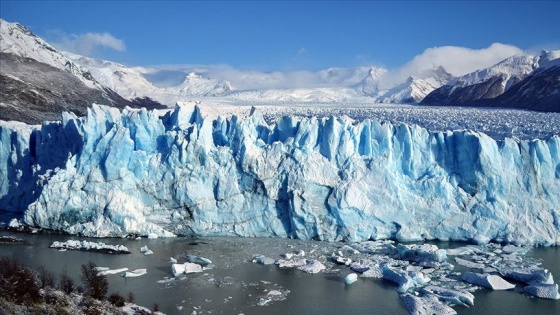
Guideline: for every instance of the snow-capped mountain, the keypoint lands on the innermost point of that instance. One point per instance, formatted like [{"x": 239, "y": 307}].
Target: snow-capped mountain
[
  {"x": 370, "y": 84},
  {"x": 197, "y": 85},
  {"x": 415, "y": 89},
  {"x": 483, "y": 87},
  {"x": 18, "y": 40},
  {"x": 128, "y": 82},
  {"x": 39, "y": 82}
]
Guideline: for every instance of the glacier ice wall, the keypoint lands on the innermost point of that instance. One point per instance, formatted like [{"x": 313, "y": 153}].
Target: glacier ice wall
[{"x": 111, "y": 174}]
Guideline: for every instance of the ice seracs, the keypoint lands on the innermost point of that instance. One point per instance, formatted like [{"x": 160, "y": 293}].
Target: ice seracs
[{"x": 327, "y": 178}]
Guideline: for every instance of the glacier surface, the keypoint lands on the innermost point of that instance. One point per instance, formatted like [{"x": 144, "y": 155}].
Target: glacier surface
[{"x": 115, "y": 173}]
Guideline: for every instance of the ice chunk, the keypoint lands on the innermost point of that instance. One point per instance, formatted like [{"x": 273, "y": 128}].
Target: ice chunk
[
  {"x": 312, "y": 266},
  {"x": 426, "y": 305},
  {"x": 529, "y": 276},
  {"x": 399, "y": 277},
  {"x": 493, "y": 282},
  {"x": 349, "y": 250},
  {"x": 263, "y": 260},
  {"x": 198, "y": 260},
  {"x": 186, "y": 268},
  {"x": 351, "y": 278},
  {"x": 108, "y": 271},
  {"x": 135, "y": 273},
  {"x": 451, "y": 296},
  {"x": 144, "y": 249},
  {"x": 543, "y": 290},
  {"x": 469, "y": 264},
  {"x": 421, "y": 253},
  {"x": 148, "y": 252},
  {"x": 172, "y": 260},
  {"x": 341, "y": 260},
  {"x": 374, "y": 271},
  {"x": 291, "y": 263}
]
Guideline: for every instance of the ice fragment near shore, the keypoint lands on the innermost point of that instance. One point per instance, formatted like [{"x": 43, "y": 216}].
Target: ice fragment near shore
[{"x": 351, "y": 278}]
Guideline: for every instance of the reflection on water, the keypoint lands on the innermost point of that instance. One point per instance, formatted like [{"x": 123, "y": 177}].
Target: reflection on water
[{"x": 235, "y": 285}]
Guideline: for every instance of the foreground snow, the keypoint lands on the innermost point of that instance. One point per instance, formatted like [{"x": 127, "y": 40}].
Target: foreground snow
[{"x": 327, "y": 178}]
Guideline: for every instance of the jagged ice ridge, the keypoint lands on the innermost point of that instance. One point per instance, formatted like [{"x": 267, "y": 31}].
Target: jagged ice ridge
[{"x": 113, "y": 174}]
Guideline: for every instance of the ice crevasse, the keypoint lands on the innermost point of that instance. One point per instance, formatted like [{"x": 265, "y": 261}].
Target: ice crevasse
[{"x": 114, "y": 173}]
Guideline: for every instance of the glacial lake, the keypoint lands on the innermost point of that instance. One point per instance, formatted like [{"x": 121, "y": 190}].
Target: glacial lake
[{"x": 235, "y": 285}]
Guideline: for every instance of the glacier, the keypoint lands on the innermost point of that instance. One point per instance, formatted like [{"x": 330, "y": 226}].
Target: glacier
[{"x": 114, "y": 173}]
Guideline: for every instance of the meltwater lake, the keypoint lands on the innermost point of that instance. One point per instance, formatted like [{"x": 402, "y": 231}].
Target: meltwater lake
[{"x": 235, "y": 285}]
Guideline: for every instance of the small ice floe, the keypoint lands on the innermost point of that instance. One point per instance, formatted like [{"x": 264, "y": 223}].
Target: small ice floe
[
  {"x": 204, "y": 262},
  {"x": 135, "y": 273},
  {"x": 186, "y": 268},
  {"x": 351, "y": 278},
  {"x": 399, "y": 277},
  {"x": 312, "y": 266},
  {"x": 349, "y": 250},
  {"x": 449, "y": 295},
  {"x": 91, "y": 246},
  {"x": 106, "y": 271},
  {"x": 469, "y": 264},
  {"x": 529, "y": 276},
  {"x": 145, "y": 250},
  {"x": 291, "y": 263},
  {"x": 374, "y": 272},
  {"x": 62, "y": 250},
  {"x": 460, "y": 251},
  {"x": 341, "y": 260},
  {"x": 493, "y": 282},
  {"x": 426, "y": 305},
  {"x": 543, "y": 290},
  {"x": 360, "y": 266},
  {"x": 272, "y": 296},
  {"x": 421, "y": 254},
  {"x": 172, "y": 260},
  {"x": 263, "y": 260}
]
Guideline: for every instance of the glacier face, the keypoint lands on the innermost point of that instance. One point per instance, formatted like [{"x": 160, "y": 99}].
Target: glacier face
[{"x": 112, "y": 173}]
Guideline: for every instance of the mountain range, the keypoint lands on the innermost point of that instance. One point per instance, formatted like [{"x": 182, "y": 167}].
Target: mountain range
[{"x": 38, "y": 82}]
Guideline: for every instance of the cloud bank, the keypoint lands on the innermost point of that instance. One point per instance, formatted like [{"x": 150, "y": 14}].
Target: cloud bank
[
  {"x": 456, "y": 60},
  {"x": 87, "y": 44}
]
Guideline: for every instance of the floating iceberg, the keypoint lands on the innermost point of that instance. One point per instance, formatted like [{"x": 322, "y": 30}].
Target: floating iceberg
[
  {"x": 198, "y": 260},
  {"x": 186, "y": 268},
  {"x": 91, "y": 246},
  {"x": 263, "y": 260},
  {"x": 312, "y": 266},
  {"x": 493, "y": 282},
  {"x": 135, "y": 273},
  {"x": 115, "y": 173},
  {"x": 542, "y": 290},
  {"x": 351, "y": 278},
  {"x": 426, "y": 305}
]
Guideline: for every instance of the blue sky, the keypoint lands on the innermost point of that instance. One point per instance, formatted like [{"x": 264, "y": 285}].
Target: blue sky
[{"x": 284, "y": 35}]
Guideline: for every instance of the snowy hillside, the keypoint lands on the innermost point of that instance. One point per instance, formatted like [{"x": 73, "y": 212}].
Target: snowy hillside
[
  {"x": 128, "y": 82},
  {"x": 18, "y": 40},
  {"x": 331, "y": 178},
  {"x": 415, "y": 89},
  {"x": 484, "y": 87}
]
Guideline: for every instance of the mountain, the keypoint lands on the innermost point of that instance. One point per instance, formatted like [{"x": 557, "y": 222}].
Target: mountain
[
  {"x": 415, "y": 89},
  {"x": 18, "y": 40},
  {"x": 514, "y": 82},
  {"x": 370, "y": 84},
  {"x": 197, "y": 85},
  {"x": 39, "y": 82},
  {"x": 330, "y": 178}
]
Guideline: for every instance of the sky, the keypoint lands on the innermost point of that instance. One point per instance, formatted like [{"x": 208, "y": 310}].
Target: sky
[{"x": 294, "y": 35}]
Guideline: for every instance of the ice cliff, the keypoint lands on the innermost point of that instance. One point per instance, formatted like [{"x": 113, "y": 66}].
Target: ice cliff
[{"x": 112, "y": 173}]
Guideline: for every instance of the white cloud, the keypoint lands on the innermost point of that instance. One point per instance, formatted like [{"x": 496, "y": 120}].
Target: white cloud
[
  {"x": 456, "y": 60},
  {"x": 87, "y": 44}
]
